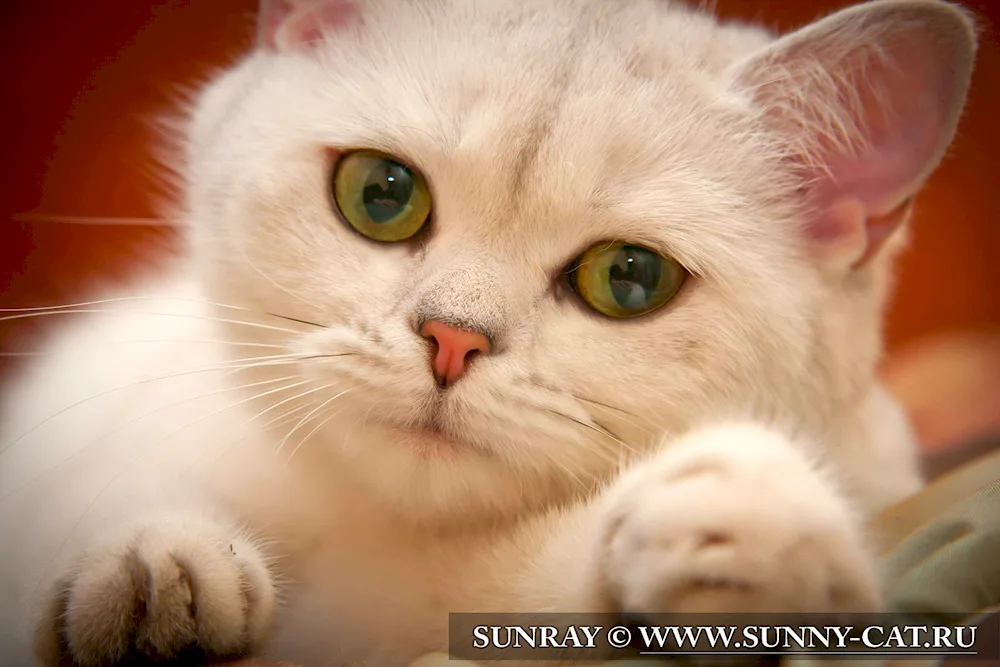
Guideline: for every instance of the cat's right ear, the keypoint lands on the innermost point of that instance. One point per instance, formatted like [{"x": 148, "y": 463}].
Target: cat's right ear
[
  {"x": 866, "y": 102},
  {"x": 298, "y": 25}
]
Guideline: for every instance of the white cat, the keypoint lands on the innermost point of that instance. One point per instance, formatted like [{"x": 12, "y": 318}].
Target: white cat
[{"x": 488, "y": 305}]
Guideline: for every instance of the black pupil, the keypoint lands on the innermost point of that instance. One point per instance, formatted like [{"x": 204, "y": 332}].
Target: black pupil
[
  {"x": 387, "y": 191},
  {"x": 634, "y": 276}
]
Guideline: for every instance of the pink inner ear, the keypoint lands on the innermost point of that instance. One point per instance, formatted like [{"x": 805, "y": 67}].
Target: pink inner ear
[
  {"x": 870, "y": 98},
  {"x": 902, "y": 112},
  {"x": 863, "y": 199},
  {"x": 286, "y": 25},
  {"x": 270, "y": 19}
]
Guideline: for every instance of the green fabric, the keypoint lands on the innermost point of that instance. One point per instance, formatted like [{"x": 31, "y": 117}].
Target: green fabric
[{"x": 952, "y": 564}]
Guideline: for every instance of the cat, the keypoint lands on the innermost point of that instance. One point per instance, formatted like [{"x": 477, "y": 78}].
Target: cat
[{"x": 488, "y": 305}]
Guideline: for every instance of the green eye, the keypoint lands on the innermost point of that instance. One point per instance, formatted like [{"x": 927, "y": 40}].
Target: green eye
[
  {"x": 621, "y": 280},
  {"x": 380, "y": 197}
]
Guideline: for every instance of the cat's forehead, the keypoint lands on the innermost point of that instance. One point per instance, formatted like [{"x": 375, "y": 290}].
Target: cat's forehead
[
  {"x": 501, "y": 73},
  {"x": 590, "y": 151},
  {"x": 535, "y": 117},
  {"x": 528, "y": 114},
  {"x": 572, "y": 146}
]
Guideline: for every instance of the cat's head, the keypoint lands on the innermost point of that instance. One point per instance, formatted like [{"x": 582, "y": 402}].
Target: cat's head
[{"x": 539, "y": 235}]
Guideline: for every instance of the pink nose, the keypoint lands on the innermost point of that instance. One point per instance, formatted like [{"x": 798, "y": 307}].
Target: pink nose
[{"x": 455, "y": 347}]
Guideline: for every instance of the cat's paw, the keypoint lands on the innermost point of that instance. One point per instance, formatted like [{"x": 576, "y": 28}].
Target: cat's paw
[
  {"x": 179, "y": 587},
  {"x": 733, "y": 519}
]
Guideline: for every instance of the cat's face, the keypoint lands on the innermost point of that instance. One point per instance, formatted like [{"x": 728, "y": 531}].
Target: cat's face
[{"x": 556, "y": 146}]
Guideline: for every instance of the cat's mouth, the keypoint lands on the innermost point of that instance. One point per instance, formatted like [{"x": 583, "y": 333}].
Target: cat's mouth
[
  {"x": 432, "y": 431},
  {"x": 431, "y": 436},
  {"x": 432, "y": 441}
]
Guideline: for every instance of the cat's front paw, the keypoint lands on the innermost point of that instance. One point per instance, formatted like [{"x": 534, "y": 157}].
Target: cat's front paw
[
  {"x": 733, "y": 519},
  {"x": 179, "y": 587}
]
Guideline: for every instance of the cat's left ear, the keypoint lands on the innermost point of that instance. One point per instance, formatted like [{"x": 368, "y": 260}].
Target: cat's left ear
[
  {"x": 291, "y": 25},
  {"x": 868, "y": 100}
]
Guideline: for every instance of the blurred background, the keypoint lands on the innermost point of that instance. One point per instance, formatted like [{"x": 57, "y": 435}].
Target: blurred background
[{"x": 81, "y": 82}]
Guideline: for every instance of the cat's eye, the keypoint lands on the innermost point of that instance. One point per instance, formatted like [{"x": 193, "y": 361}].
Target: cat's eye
[
  {"x": 621, "y": 280},
  {"x": 380, "y": 197}
]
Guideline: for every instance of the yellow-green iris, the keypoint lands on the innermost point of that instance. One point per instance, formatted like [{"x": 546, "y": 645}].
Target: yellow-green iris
[
  {"x": 621, "y": 280},
  {"x": 379, "y": 197}
]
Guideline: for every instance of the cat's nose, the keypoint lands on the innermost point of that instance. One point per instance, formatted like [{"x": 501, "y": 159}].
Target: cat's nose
[{"x": 455, "y": 349}]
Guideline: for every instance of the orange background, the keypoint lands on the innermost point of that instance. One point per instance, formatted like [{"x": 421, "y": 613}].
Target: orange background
[{"x": 81, "y": 81}]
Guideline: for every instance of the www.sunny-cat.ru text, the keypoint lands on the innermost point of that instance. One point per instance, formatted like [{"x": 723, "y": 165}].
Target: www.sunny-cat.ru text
[{"x": 885, "y": 639}]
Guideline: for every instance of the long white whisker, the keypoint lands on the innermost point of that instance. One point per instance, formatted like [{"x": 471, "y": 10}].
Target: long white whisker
[
  {"x": 120, "y": 299},
  {"x": 618, "y": 415},
  {"x": 275, "y": 283},
  {"x": 364, "y": 420},
  {"x": 75, "y": 311},
  {"x": 289, "y": 399},
  {"x": 603, "y": 431},
  {"x": 306, "y": 418},
  {"x": 596, "y": 446},
  {"x": 275, "y": 360},
  {"x": 247, "y": 422},
  {"x": 97, "y": 220},
  {"x": 563, "y": 466},
  {"x": 150, "y": 413},
  {"x": 616, "y": 411},
  {"x": 231, "y": 343},
  {"x": 611, "y": 408},
  {"x": 310, "y": 434},
  {"x": 284, "y": 415},
  {"x": 68, "y": 306}
]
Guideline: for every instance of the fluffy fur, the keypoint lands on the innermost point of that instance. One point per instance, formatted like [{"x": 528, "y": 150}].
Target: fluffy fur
[{"x": 186, "y": 465}]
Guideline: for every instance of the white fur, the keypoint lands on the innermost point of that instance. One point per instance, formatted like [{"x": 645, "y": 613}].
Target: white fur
[{"x": 543, "y": 127}]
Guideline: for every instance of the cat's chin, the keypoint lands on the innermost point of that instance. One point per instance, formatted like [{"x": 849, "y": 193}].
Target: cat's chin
[
  {"x": 431, "y": 475},
  {"x": 431, "y": 441},
  {"x": 433, "y": 433}
]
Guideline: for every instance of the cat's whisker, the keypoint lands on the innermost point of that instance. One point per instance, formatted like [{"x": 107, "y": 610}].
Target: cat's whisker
[
  {"x": 364, "y": 420},
  {"x": 584, "y": 399},
  {"x": 580, "y": 397},
  {"x": 593, "y": 427},
  {"x": 296, "y": 319},
  {"x": 287, "y": 400},
  {"x": 166, "y": 406},
  {"x": 122, "y": 299},
  {"x": 613, "y": 408},
  {"x": 629, "y": 449},
  {"x": 604, "y": 449},
  {"x": 279, "y": 418},
  {"x": 565, "y": 468},
  {"x": 109, "y": 221},
  {"x": 310, "y": 433},
  {"x": 229, "y": 343},
  {"x": 581, "y": 484},
  {"x": 76, "y": 311},
  {"x": 275, "y": 360},
  {"x": 619, "y": 412},
  {"x": 275, "y": 283},
  {"x": 242, "y": 427},
  {"x": 305, "y": 419}
]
